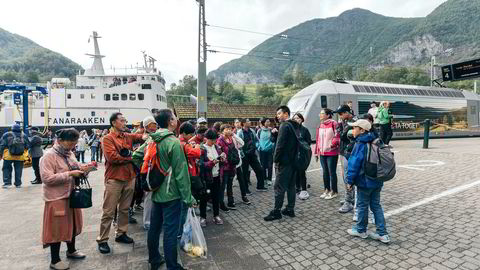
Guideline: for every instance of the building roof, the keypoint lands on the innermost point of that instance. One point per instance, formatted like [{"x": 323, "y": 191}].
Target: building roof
[{"x": 226, "y": 111}]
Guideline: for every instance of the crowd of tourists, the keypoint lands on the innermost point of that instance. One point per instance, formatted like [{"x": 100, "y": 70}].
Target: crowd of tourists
[{"x": 193, "y": 153}]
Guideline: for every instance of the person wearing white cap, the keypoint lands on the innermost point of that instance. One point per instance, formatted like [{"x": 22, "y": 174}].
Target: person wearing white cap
[
  {"x": 202, "y": 122},
  {"x": 149, "y": 124},
  {"x": 368, "y": 190}
]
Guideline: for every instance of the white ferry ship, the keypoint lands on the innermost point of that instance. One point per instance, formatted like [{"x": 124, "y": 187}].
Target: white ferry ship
[{"x": 88, "y": 102}]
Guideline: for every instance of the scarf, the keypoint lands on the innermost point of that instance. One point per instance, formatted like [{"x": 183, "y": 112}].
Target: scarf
[{"x": 65, "y": 153}]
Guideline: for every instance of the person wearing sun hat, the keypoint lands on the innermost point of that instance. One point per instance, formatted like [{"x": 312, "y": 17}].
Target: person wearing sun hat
[{"x": 368, "y": 190}]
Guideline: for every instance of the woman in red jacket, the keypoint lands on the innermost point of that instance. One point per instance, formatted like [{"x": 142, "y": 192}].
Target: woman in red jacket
[{"x": 326, "y": 150}]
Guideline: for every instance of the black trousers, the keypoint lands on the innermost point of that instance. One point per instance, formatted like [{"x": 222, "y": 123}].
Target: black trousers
[
  {"x": 241, "y": 181},
  {"x": 36, "y": 168},
  {"x": 266, "y": 159},
  {"x": 284, "y": 182},
  {"x": 301, "y": 180},
  {"x": 215, "y": 190},
  {"x": 386, "y": 133},
  {"x": 252, "y": 161}
]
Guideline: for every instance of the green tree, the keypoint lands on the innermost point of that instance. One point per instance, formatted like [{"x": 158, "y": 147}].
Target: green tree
[
  {"x": 9, "y": 76},
  {"x": 264, "y": 91},
  {"x": 288, "y": 80},
  {"x": 31, "y": 77}
]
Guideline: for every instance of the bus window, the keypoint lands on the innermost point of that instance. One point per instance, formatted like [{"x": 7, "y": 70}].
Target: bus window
[{"x": 323, "y": 100}]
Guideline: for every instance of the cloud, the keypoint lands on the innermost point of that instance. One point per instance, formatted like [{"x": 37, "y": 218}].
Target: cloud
[{"x": 167, "y": 29}]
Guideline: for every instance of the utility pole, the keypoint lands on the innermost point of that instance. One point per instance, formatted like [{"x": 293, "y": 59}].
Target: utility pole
[
  {"x": 202, "y": 63},
  {"x": 432, "y": 70}
]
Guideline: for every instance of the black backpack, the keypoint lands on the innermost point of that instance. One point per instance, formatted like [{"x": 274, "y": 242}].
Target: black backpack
[
  {"x": 17, "y": 147},
  {"x": 233, "y": 157},
  {"x": 303, "y": 153}
]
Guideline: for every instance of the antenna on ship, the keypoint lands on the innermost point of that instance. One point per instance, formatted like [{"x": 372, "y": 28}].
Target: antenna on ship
[{"x": 97, "y": 67}]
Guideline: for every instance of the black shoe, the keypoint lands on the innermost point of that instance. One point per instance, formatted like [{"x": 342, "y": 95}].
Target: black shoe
[
  {"x": 124, "y": 239},
  {"x": 224, "y": 208},
  {"x": 132, "y": 220},
  {"x": 287, "y": 212},
  {"x": 36, "y": 182},
  {"x": 103, "y": 248},
  {"x": 156, "y": 266},
  {"x": 231, "y": 206},
  {"x": 246, "y": 200},
  {"x": 274, "y": 215},
  {"x": 264, "y": 189}
]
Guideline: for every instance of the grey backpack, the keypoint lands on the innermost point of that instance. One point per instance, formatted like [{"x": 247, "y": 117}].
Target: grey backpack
[
  {"x": 17, "y": 146},
  {"x": 379, "y": 161}
]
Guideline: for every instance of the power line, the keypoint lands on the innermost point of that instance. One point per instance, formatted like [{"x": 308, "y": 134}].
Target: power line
[
  {"x": 268, "y": 57},
  {"x": 281, "y": 36},
  {"x": 284, "y": 54}
]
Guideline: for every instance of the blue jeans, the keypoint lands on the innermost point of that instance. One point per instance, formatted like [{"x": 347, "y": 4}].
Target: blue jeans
[
  {"x": 183, "y": 218},
  {"x": 164, "y": 216},
  {"x": 366, "y": 198},
  {"x": 93, "y": 149},
  {"x": 7, "y": 172}
]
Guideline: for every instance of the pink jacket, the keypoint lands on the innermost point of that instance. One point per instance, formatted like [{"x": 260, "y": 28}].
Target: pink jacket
[
  {"x": 328, "y": 139},
  {"x": 57, "y": 184}
]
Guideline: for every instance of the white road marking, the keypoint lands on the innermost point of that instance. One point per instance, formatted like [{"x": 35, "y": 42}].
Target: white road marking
[
  {"x": 420, "y": 167},
  {"x": 431, "y": 199}
]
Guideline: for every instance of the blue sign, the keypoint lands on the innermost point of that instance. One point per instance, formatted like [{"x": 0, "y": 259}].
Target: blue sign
[{"x": 17, "y": 98}]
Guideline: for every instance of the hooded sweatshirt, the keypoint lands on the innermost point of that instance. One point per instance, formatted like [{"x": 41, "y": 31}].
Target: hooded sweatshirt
[
  {"x": 171, "y": 155},
  {"x": 383, "y": 115},
  {"x": 328, "y": 139}
]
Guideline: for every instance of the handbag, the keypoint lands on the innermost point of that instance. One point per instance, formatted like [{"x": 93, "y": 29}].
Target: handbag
[{"x": 81, "y": 195}]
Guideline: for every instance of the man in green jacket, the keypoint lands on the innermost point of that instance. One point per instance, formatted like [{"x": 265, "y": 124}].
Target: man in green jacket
[
  {"x": 384, "y": 117},
  {"x": 167, "y": 200}
]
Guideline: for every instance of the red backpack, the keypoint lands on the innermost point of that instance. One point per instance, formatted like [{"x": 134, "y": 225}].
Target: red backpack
[{"x": 152, "y": 175}]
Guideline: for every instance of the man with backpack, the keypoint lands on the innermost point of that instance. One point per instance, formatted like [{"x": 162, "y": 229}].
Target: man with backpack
[
  {"x": 12, "y": 147},
  {"x": 250, "y": 157},
  {"x": 284, "y": 159},
  {"x": 368, "y": 189},
  {"x": 168, "y": 198}
]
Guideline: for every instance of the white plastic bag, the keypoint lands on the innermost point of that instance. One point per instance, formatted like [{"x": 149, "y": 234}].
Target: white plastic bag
[
  {"x": 192, "y": 241},
  {"x": 147, "y": 210}
]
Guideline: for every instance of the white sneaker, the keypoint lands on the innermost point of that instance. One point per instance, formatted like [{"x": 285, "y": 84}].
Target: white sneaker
[
  {"x": 331, "y": 196},
  {"x": 303, "y": 195},
  {"x": 324, "y": 195}
]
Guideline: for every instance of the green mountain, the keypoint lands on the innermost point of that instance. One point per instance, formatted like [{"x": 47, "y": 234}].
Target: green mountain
[
  {"x": 24, "y": 60},
  {"x": 361, "y": 38}
]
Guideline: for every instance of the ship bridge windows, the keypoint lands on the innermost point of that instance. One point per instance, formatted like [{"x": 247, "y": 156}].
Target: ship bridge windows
[
  {"x": 67, "y": 114},
  {"x": 133, "y": 97},
  {"x": 93, "y": 113},
  {"x": 146, "y": 86},
  {"x": 141, "y": 96},
  {"x": 92, "y": 96},
  {"x": 115, "y": 97},
  {"x": 106, "y": 97},
  {"x": 124, "y": 97},
  {"x": 82, "y": 96},
  {"x": 69, "y": 96},
  {"x": 158, "y": 97},
  {"x": 42, "y": 114}
]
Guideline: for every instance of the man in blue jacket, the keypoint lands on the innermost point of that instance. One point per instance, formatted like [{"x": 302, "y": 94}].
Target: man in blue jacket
[
  {"x": 12, "y": 147},
  {"x": 368, "y": 190}
]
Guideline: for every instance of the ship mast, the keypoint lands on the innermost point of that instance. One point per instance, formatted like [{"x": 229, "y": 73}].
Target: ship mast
[{"x": 97, "y": 66}]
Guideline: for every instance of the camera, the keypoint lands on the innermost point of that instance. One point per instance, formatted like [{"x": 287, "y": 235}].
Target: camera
[{"x": 125, "y": 152}]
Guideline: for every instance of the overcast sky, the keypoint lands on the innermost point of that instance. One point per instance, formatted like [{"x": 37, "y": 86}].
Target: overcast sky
[{"x": 168, "y": 29}]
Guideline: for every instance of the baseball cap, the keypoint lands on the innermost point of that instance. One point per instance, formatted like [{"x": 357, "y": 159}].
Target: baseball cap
[
  {"x": 148, "y": 120},
  {"x": 343, "y": 109},
  {"x": 201, "y": 120},
  {"x": 362, "y": 123}
]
